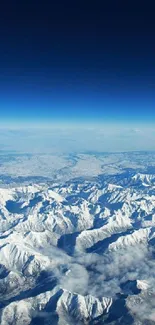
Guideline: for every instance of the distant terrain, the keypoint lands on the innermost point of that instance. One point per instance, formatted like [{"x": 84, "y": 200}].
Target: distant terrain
[{"x": 77, "y": 236}]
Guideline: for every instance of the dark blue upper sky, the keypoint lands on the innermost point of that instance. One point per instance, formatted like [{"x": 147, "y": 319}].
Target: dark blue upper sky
[{"x": 77, "y": 60}]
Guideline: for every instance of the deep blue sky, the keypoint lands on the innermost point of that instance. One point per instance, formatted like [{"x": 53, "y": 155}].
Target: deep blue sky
[{"x": 86, "y": 60}]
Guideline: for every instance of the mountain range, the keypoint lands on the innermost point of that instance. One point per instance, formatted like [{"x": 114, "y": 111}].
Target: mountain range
[{"x": 79, "y": 251}]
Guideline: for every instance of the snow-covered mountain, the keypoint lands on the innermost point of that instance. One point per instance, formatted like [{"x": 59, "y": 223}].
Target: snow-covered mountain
[{"x": 78, "y": 252}]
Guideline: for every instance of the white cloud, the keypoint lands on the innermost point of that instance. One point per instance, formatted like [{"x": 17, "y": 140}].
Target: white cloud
[{"x": 77, "y": 138}]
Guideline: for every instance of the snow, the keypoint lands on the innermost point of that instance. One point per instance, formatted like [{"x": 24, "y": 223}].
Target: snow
[{"x": 57, "y": 228}]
